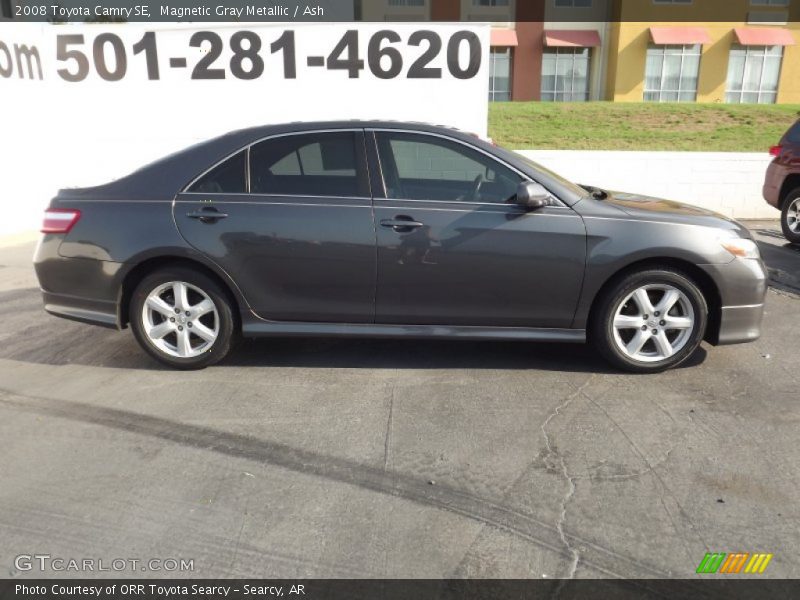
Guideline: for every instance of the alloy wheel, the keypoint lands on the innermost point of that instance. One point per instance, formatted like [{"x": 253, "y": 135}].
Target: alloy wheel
[
  {"x": 653, "y": 323},
  {"x": 793, "y": 216},
  {"x": 180, "y": 319}
]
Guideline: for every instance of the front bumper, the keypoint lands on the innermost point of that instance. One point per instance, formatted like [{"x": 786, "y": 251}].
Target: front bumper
[
  {"x": 740, "y": 324},
  {"x": 742, "y": 286}
]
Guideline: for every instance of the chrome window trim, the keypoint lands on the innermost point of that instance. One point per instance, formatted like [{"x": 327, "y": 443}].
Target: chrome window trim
[
  {"x": 497, "y": 212},
  {"x": 463, "y": 143},
  {"x": 363, "y": 198},
  {"x": 247, "y": 170},
  {"x": 247, "y": 147},
  {"x": 290, "y": 204}
]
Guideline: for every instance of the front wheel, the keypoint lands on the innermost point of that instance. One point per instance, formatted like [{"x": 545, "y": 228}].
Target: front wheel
[
  {"x": 182, "y": 318},
  {"x": 790, "y": 217},
  {"x": 650, "y": 321}
]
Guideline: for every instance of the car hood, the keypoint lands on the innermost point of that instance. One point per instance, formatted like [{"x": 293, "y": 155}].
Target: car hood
[{"x": 658, "y": 209}]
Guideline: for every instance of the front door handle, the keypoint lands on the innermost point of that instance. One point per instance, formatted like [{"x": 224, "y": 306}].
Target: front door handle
[
  {"x": 402, "y": 223},
  {"x": 207, "y": 215}
]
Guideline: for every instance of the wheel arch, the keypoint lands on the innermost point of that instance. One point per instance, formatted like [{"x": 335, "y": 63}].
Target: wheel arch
[
  {"x": 702, "y": 279},
  {"x": 135, "y": 275},
  {"x": 790, "y": 183}
]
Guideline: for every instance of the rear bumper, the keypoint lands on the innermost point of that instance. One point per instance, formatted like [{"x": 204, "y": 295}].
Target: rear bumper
[
  {"x": 773, "y": 182},
  {"x": 85, "y": 310},
  {"x": 81, "y": 289}
]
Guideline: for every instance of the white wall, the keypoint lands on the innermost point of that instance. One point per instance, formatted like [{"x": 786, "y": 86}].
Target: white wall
[
  {"x": 57, "y": 133},
  {"x": 725, "y": 182}
]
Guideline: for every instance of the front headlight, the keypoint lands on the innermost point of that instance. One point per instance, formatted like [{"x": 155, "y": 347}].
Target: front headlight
[{"x": 741, "y": 247}]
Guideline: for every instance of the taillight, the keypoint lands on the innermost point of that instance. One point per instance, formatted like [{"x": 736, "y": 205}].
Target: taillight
[
  {"x": 775, "y": 150},
  {"x": 60, "y": 220}
]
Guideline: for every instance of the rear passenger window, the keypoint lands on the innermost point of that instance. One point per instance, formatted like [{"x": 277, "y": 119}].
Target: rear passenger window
[
  {"x": 313, "y": 164},
  {"x": 226, "y": 178},
  {"x": 793, "y": 134}
]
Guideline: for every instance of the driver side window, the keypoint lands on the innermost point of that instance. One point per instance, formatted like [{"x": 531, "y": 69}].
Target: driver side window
[{"x": 423, "y": 167}]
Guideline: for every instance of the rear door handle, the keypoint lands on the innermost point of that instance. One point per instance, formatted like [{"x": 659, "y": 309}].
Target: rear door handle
[
  {"x": 401, "y": 223},
  {"x": 207, "y": 215}
]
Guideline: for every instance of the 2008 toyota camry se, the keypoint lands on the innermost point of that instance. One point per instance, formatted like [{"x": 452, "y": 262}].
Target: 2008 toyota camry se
[{"x": 384, "y": 229}]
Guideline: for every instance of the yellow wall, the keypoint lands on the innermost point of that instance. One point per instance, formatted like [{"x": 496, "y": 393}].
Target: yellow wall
[
  {"x": 630, "y": 37},
  {"x": 789, "y": 86}
]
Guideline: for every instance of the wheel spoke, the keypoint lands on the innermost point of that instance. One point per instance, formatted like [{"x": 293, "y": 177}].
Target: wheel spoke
[
  {"x": 202, "y": 308},
  {"x": 203, "y": 332},
  {"x": 663, "y": 345},
  {"x": 184, "y": 345},
  {"x": 671, "y": 296},
  {"x": 157, "y": 304},
  {"x": 643, "y": 300},
  {"x": 181, "y": 293},
  {"x": 678, "y": 323},
  {"x": 159, "y": 331},
  {"x": 793, "y": 216},
  {"x": 638, "y": 340},
  {"x": 628, "y": 322}
]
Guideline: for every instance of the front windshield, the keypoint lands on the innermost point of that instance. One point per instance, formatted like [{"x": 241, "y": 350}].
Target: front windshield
[{"x": 574, "y": 187}]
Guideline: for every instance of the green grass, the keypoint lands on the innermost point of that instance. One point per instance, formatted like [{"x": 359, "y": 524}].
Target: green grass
[{"x": 639, "y": 126}]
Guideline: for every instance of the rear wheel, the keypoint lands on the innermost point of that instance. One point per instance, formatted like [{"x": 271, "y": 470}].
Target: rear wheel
[
  {"x": 182, "y": 318},
  {"x": 650, "y": 321},
  {"x": 790, "y": 216}
]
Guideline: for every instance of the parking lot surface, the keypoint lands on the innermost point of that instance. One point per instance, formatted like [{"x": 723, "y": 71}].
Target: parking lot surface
[{"x": 376, "y": 458}]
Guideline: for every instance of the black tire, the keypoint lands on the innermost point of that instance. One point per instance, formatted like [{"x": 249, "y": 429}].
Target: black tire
[
  {"x": 602, "y": 330},
  {"x": 791, "y": 198},
  {"x": 223, "y": 321}
]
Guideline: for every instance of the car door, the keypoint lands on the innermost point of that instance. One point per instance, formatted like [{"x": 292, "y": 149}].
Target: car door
[
  {"x": 290, "y": 220},
  {"x": 453, "y": 248}
]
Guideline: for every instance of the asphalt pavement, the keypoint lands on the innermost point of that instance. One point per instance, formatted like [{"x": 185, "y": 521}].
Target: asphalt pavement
[{"x": 380, "y": 458}]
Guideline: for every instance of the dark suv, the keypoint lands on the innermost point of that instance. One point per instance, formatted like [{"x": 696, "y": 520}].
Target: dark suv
[{"x": 782, "y": 185}]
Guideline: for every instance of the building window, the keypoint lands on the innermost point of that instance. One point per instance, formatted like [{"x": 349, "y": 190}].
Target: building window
[
  {"x": 753, "y": 74},
  {"x": 769, "y": 2},
  {"x": 406, "y": 2},
  {"x": 671, "y": 73},
  {"x": 672, "y": 1},
  {"x": 573, "y": 3},
  {"x": 500, "y": 75},
  {"x": 490, "y": 2},
  {"x": 565, "y": 74}
]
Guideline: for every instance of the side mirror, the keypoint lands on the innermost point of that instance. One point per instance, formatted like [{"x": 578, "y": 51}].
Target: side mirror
[{"x": 532, "y": 196}]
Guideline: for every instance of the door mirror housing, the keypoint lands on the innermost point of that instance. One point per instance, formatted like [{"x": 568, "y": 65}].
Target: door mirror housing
[{"x": 532, "y": 196}]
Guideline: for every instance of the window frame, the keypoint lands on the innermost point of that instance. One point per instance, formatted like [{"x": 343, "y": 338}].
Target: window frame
[
  {"x": 384, "y": 196},
  {"x": 572, "y": 54},
  {"x": 493, "y": 91},
  {"x": 571, "y": 4},
  {"x": 760, "y": 91},
  {"x": 362, "y": 166},
  {"x": 684, "y": 54}
]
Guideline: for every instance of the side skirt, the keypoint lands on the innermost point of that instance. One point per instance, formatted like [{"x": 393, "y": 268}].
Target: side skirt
[{"x": 371, "y": 330}]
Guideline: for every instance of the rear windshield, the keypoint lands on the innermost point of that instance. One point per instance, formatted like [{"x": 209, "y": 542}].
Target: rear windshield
[{"x": 793, "y": 135}]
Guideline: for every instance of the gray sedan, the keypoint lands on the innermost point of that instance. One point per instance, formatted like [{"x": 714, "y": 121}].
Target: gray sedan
[{"x": 383, "y": 229}]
